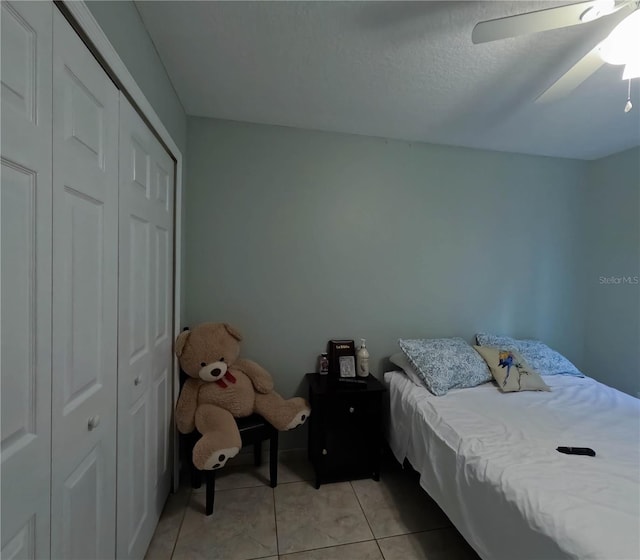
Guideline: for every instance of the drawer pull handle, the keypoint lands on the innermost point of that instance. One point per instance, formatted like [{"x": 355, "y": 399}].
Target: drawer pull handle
[
  {"x": 137, "y": 380},
  {"x": 324, "y": 451},
  {"x": 93, "y": 422},
  {"x": 351, "y": 409}
]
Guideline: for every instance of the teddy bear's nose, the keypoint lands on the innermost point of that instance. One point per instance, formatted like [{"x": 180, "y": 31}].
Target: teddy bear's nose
[{"x": 216, "y": 371}]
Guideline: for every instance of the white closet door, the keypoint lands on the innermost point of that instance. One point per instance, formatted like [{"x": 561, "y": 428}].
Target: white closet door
[
  {"x": 85, "y": 283},
  {"x": 145, "y": 327},
  {"x": 25, "y": 225}
]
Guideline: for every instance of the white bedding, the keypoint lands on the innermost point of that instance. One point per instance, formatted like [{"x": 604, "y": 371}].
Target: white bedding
[{"x": 489, "y": 459}]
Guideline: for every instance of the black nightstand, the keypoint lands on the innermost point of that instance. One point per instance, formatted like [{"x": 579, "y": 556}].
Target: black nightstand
[{"x": 345, "y": 429}]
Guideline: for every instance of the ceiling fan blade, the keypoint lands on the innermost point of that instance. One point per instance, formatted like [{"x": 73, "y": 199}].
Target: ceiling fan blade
[
  {"x": 571, "y": 79},
  {"x": 531, "y": 22}
]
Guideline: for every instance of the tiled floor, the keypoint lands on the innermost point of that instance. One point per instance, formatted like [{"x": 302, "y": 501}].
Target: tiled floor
[{"x": 359, "y": 520}]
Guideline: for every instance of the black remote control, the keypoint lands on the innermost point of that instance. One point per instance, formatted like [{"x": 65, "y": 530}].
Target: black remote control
[{"x": 577, "y": 451}]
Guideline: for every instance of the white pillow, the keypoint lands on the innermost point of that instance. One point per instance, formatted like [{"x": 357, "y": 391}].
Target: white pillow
[{"x": 401, "y": 360}]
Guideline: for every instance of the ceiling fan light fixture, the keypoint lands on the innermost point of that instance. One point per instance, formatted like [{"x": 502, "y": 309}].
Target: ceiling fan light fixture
[
  {"x": 600, "y": 8},
  {"x": 622, "y": 46}
]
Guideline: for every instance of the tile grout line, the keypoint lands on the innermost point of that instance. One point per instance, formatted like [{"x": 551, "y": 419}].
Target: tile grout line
[
  {"x": 201, "y": 491},
  {"x": 380, "y": 549},
  {"x": 391, "y": 536},
  {"x": 415, "y": 532},
  {"x": 363, "y": 512},
  {"x": 326, "y": 547},
  {"x": 334, "y": 545},
  {"x": 184, "y": 514}
]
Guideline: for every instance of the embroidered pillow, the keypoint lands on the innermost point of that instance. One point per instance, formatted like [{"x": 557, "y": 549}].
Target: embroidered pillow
[
  {"x": 538, "y": 355},
  {"x": 445, "y": 363},
  {"x": 510, "y": 371}
]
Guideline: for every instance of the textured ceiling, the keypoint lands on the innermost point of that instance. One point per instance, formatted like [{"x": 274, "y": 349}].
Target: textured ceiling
[{"x": 394, "y": 70}]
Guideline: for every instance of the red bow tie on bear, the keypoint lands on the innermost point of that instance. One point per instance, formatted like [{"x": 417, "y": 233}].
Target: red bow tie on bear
[{"x": 229, "y": 377}]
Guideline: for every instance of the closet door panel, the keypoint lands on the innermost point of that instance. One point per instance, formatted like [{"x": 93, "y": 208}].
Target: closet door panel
[
  {"x": 85, "y": 275},
  {"x": 163, "y": 340},
  {"x": 145, "y": 324},
  {"x": 134, "y": 443},
  {"x": 25, "y": 225}
]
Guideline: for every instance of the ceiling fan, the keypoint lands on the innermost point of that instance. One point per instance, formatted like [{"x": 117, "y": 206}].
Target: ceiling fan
[{"x": 620, "y": 47}]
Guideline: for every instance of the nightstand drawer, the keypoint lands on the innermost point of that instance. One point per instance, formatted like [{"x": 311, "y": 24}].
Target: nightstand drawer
[{"x": 349, "y": 410}]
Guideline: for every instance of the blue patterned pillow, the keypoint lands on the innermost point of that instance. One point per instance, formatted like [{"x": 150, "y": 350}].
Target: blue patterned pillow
[
  {"x": 537, "y": 354},
  {"x": 445, "y": 363}
]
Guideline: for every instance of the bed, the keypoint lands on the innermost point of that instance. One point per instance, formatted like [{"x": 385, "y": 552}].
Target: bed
[{"x": 489, "y": 460}]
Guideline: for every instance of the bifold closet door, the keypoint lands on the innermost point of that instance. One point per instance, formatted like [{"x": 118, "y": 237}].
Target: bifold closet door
[
  {"x": 145, "y": 332},
  {"x": 85, "y": 284},
  {"x": 25, "y": 230}
]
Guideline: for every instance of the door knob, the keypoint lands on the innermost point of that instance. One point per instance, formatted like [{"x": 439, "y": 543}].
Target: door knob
[
  {"x": 351, "y": 409},
  {"x": 324, "y": 451},
  {"x": 93, "y": 422}
]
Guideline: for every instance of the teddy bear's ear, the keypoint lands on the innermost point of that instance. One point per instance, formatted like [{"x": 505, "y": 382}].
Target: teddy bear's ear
[
  {"x": 233, "y": 332},
  {"x": 181, "y": 341}
]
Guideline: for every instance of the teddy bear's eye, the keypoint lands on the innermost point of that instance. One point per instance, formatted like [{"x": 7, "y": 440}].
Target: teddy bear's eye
[{"x": 202, "y": 364}]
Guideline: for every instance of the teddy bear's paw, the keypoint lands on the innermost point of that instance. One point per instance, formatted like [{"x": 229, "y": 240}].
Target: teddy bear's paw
[
  {"x": 299, "y": 418},
  {"x": 220, "y": 457}
]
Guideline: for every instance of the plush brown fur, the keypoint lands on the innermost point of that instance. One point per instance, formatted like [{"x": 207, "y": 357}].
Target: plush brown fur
[{"x": 224, "y": 386}]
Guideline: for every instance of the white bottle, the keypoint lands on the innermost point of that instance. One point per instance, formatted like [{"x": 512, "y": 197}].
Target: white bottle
[{"x": 362, "y": 358}]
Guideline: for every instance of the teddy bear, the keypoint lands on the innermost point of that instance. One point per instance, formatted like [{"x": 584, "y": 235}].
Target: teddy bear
[{"x": 222, "y": 386}]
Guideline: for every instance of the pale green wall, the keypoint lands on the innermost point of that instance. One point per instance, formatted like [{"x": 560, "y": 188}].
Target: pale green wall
[
  {"x": 298, "y": 236},
  {"x": 612, "y": 333}
]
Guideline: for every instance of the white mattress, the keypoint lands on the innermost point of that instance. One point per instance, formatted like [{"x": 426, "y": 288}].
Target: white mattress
[{"x": 490, "y": 461}]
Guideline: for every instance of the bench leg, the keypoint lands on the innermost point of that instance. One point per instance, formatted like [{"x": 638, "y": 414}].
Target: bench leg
[
  {"x": 273, "y": 460},
  {"x": 210, "y": 481},
  {"x": 257, "y": 453},
  {"x": 196, "y": 476},
  {"x": 189, "y": 440}
]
